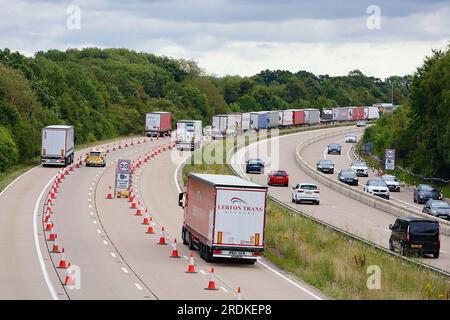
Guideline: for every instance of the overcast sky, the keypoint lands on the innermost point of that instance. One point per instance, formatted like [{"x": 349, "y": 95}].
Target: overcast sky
[{"x": 240, "y": 36}]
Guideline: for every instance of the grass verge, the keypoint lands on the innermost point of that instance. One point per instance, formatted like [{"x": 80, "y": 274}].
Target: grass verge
[{"x": 334, "y": 263}]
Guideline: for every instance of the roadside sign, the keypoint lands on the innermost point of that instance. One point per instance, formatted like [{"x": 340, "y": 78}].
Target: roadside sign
[
  {"x": 389, "y": 157},
  {"x": 123, "y": 180},
  {"x": 124, "y": 166}
]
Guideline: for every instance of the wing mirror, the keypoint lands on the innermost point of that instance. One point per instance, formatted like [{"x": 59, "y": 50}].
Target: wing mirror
[
  {"x": 391, "y": 227},
  {"x": 181, "y": 199}
]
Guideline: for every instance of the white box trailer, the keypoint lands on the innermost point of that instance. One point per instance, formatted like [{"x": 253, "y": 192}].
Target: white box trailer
[
  {"x": 188, "y": 134},
  {"x": 224, "y": 216},
  {"x": 312, "y": 116},
  {"x": 158, "y": 123},
  {"x": 219, "y": 126},
  {"x": 58, "y": 145},
  {"x": 232, "y": 123},
  {"x": 287, "y": 118},
  {"x": 371, "y": 113},
  {"x": 245, "y": 121},
  {"x": 273, "y": 118}
]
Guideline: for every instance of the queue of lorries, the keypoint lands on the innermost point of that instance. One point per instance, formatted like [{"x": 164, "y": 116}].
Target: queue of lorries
[{"x": 224, "y": 216}]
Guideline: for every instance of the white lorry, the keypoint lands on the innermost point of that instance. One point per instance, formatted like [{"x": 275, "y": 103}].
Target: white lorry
[
  {"x": 224, "y": 217},
  {"x": 219, "y": 126},
  {"x": 58, "y": 145},
  {"x": 188, "y": 134}
]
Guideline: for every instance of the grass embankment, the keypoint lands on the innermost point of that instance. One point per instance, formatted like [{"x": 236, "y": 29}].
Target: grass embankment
[
  {"x": 335, "y": 263},
  {"x": 12, "y": 173},
  {"x": 402, "y": 176}
]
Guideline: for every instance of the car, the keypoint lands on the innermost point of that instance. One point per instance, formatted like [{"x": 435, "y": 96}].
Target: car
[
  {"x": 334, "y": 148},
  {"x": 348, "y": 176},
  {"x": 96, "y": 157},
  {"x": 350, "y": 138},
  {"x": 415, "y": 235},
  {"x": 377, "y": 187},
  {"x": 437, "y": 208},
  {"x": 254, "y": 165},
  {"x": 360, "y": 168},
  {"x": 360, "y": 123},
  {"x": 278, "y": 177},
  {"x": 305, "y": 192},
  {"x": 424, "y": 192},
  {"x": 391, "y": 182},
  {"x": 325, "y": 166}
]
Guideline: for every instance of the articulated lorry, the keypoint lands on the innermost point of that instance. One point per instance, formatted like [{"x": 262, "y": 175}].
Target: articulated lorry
[
  {"x": 158, "y": 124},
  {"x": 224, "y": 217},
  {"x": 58, "y": 145},
  {"x": 189, "y": 134}
]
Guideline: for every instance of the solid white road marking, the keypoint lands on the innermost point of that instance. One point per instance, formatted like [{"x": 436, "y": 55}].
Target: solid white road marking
[
  {"x": 36, "y": 242},
  {"x": 17, "y": 179}
]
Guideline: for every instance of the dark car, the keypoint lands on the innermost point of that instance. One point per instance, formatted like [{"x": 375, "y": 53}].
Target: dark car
[
  {"x": 437, "y": 208},
  {"x": 425, "y": 192},
  {"x": 334, "y": 148},
  {"x": 348, "y": 176},
  {"x": 414, "y": 235},
  {"x": 254, "y": 165},
  {"x": 325, "y": 166}
]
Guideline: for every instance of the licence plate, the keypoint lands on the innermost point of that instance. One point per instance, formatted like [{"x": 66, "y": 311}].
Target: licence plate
[
  {"x": 236, "y": 254},
  {"x": 416, "y": 246},
  {"x": 308, "y": 192}
]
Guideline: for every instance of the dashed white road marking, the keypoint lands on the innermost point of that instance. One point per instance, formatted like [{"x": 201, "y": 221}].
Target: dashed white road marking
[
  {"x": 203, "y": 272},
  {"x": 105, "y": 242},
  {"x": 99, "y": 231},
  {"x": 442, "y": 251},
  {"x": 386, "y": 230},
  {"x": 91, "y": 213},
  {"x": 90, "y": 206},
  {"x": 124, "y": 270},
  {"x": 94, "y": 221},
  {"x": 138, "y": 286},
  {"x": 113, "y": 254},
  {"x": 225, "y": 290},
  {"x": 185, "y": 257}
]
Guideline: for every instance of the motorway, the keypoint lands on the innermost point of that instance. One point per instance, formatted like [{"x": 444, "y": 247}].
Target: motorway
[
  {"x": 107, "y": 244},
  {"x": 335, "y": 208}
]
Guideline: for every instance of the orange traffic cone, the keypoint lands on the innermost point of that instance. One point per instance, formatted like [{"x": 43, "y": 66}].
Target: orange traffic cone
[
  {"x": 109, "y": 196},
  {"x": 133, "y": 204},
  {"x": 49, "y": 209},
  {"x": 138, "y": 211},
  {"x": 49, "y": 202},
  {"x": 46, "y": 217},
  {"x": 212, "y": 283},
  {"x": 49, "y": 226},
  {"x": 238, "y": 294},
  {"x": 52, "y": 236},
  {"x": 146, "y": 218},
  {"x": 62, "y": 260},
  {"x": 162, "y": 238},
  {"x": 68, "y": 281},
  {"x": 191, "y": 266},
  {"x": 71, "y": 168},
  {"x": 55, "y": 247},
  {"x": 174, "y": 249},
  {"x": 150, "y": 227},
  {"x": 52, "y": 195}
]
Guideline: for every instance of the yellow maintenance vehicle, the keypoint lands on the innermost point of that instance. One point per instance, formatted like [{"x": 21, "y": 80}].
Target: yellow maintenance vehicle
[{"x": 95, "y": 158}]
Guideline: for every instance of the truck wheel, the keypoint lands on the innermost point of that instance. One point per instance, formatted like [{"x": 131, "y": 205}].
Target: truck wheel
[
  {"x": 436, "y": 255},
  {"x": 250, "y": 261}
]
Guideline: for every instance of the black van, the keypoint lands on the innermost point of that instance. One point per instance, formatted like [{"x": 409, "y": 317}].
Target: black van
[{"x": 415, "y": 235}]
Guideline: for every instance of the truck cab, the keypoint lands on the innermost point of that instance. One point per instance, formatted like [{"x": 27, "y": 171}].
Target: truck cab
[{"x": 95, "y": 158}]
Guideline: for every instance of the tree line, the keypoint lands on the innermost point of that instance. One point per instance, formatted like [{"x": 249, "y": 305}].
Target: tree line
[
  {"x": 105, "y": 93},
  {"x": 419, "y": 131}
]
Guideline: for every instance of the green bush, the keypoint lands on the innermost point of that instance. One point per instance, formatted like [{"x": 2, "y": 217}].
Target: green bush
[{"x": 9, "y": 153}]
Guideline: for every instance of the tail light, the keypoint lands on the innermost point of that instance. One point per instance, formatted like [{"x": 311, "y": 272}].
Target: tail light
[
  {"x": 407, "y": 234},
  {"x": 256, "y": 254},
  {"x": 217, "y": 251},
  {"x": 300, "y": 191},
  {"x": 316, "y": 191}
]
